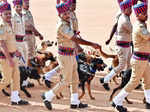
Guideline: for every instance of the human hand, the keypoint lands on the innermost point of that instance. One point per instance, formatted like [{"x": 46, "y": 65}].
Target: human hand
[
  {"x": 107, "y": 42},
  {"x": 41, "y": 37},
  {"x": 17, "y": 53}
]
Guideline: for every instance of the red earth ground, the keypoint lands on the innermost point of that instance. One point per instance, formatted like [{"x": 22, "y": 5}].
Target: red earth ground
[{"x": 96, "y": 18}]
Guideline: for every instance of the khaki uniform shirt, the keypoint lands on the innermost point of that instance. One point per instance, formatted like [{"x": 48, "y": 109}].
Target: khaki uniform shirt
[
  {"x": 18, "y": 24},
  {"x": 64, "y": 34},
  {"x": 140, "y": 37},
  {"x": 27, "y": 18},
  {"x": 124, "y": 29},
  {"x": 7, "y": 34}
]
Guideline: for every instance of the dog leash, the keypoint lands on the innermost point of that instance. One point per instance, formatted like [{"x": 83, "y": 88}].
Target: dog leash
[{"x": 21, "y": 58}]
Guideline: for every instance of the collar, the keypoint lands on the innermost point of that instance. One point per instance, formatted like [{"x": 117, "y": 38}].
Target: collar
[
  {"x": 65, "y": 23},
  {"x": 126, "y": 16},
  {"x": 16, "y": 14},
  {"x": 92, "y": 70}
]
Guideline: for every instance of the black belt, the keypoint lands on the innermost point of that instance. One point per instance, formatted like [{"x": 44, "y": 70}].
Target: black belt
[
  {"x": 28, "y": 32},
  {"x": 145, "y": 56},
  {"x": 19, "y": 38},
  {"x": 124, "y": 44}
]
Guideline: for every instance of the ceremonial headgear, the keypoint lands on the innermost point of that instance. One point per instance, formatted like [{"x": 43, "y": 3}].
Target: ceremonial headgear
[
  {"x": 140, "y": 8},
  {"x": 63, "y": 7},
  {"x": 17, "y": 2},
  {"x": 125, "y": 4},
  {"x": 4, "y": 6}
]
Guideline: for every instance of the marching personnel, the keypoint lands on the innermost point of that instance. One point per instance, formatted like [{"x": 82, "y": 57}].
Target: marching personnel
[
  {"x": 74, "y": 26},
  {"x": 67, "y": 59},
  {"x": 140, "y": 59},
  {"x": 8, "y": 51},
  {"x": 30, "y": 30},
  {"x": 114, "y": 29},
  {"x": 123, "y": 42},
  {"x": 19, "y": 29}
]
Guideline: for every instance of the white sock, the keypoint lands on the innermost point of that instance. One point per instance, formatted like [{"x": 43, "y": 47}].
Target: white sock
[
  {"x": 49, "y": 74},
  {"x": 25, "y": 83},
  {"x": 15, "y": 96},
  {"x": 74, "y": 99},
  {"x": 49, "y": 95},
  {"x": 108, "y": 77},
  {"x": 118, "y": 100},
  {"x": 147, "y": 95}
]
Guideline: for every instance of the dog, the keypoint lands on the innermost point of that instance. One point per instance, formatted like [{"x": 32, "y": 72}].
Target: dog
[
  {"x": 87, "y": 66},
  {"x": 39, "y": 62},
  {"x": 125, "y": 75},
  {"x": 115, "y": 61},
  {"x": 25, "y": 72},
  {"x": 49, "y": 43},
  {"x": 125, "y": 78},
  {"x": 87, "y": 72}
]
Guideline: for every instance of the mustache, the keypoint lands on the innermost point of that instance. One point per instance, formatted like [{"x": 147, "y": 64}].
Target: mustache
[{"x": 67, "y": 17}]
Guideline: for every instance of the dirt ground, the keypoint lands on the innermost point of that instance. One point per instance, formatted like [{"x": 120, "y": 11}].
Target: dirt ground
[{"x": 96, "y": 18}]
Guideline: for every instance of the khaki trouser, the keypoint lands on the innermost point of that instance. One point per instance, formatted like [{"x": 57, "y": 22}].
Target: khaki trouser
[
  {"x": 140, "y": 69},
  {"x": 124, "y": 55},
  {"x": 23, "y": 49},
  {"x": 11, "y": 75},
  {"x": 31, "y": 42},
  {"x": 68, "y": 67}
]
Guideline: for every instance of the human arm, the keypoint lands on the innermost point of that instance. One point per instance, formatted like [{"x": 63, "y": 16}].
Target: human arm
[
  {"x": 112, "y": 33},
  {"x": 6, "y": 53}
]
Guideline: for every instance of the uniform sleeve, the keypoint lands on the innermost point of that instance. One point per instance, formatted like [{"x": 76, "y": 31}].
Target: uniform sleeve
[
  {"x": 117, "y": 17},
  {"x": 65, "y": 31},
  {"x": 145, "y": 34},
  {"x": 2, "y": 33},
  {"x": 74, "y": 22}
]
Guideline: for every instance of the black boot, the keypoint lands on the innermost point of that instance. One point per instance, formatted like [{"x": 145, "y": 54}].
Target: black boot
[
  {"x": 81, "y": 105},
  {"x": 147, "y": 105},
  {"x": 119, "y": 108},
  {"x": 105, "y": 85},
  {"x": 47, "y": 103},
  {"x": 21, "y": 102},
  {"x": 101, "y": 80}
]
